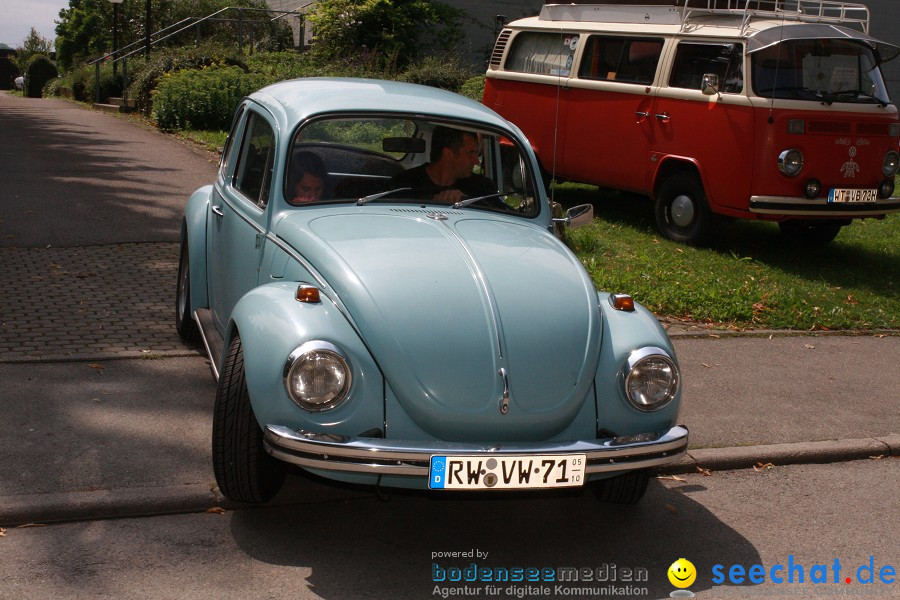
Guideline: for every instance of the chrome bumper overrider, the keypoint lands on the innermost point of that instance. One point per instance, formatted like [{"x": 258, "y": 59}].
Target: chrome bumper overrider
[
  {"x": 387, "y": 457},
  {"x": 781, "y": 205}
]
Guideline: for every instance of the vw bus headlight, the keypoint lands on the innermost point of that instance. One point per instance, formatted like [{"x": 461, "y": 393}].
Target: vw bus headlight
[
  {"x": 317, "y": 376},
  {"x": 790, "y": 162},
  {"x": 891, "y": 163},
  {"x": 651, "y": 378}
]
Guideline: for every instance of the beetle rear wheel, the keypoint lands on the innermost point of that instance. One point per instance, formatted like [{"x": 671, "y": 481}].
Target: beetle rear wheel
[
  {"x": 184, "y": 322},
  {"x": 682, "y": 213},
  {"x": 244, "y": 471},
  {"x": 628, "y": 488}
]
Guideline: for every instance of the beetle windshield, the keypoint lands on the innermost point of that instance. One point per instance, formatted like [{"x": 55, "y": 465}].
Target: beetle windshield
[
  {"x": 825, "y": 70},
  {"x": 400, "y": 159}
]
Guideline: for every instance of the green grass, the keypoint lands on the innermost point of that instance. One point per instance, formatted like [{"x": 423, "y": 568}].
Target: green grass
[
  {"x": 748, "y": 277},
  {"x": 212, "y": 140}
]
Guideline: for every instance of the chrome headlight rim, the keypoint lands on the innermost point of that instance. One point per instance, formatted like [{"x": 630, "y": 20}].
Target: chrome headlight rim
[
  {"x": 891, "y": 163},
  {"x": 317, "y": 348},
  {"x": 790, "y": 162},
  {"x": 641, "y": 356}
]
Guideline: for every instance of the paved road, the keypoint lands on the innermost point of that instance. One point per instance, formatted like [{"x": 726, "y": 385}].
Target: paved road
[{"x": 342, "y": 545}]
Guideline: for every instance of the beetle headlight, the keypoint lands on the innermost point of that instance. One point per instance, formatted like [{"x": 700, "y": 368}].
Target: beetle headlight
[
  {"x": 651, "y": 378},
  {"x": 790, "y": 162},
  {"x": 317, "y": 376},
  {"x": 891, "y": 163}
]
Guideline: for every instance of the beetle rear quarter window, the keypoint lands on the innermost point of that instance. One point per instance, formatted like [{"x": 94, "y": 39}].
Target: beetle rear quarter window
[
  {"x": 693, "y": 60},
  {"x": 542, "y": 53},
  {"x": 254, "y": 167},
  {"x": 621, "y": 59}
]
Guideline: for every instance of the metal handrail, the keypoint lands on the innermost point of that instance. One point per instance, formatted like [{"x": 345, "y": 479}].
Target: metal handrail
[{"x": 194, "y": 22}]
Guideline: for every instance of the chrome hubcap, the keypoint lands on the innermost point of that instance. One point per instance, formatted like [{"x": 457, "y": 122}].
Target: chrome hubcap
[{"x": 682, "y": 211}]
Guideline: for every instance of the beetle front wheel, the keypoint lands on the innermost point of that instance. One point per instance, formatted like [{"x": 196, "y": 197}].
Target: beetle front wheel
[
  {"x": 627, "y": 488},
  {"x": 244, "y": 471}
]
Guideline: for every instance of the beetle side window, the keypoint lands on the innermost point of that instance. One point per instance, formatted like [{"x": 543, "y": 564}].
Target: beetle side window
[
  {"x": 254, "y": 167},
  {"x": 621, "y": 59},
  {"x": 225, "y": 159},
  {"x": 542, "y": 53},
  {"x": 693, "y": 60}
]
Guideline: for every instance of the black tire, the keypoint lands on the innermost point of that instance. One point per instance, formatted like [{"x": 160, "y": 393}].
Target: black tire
[
  {"x": 184, "y": 321},
  {"x": 243, "y": 469},
  {"x": 681, "y": 210},
  {"x": 628, "y": 488},
  {"x": 810, "y": 233}
]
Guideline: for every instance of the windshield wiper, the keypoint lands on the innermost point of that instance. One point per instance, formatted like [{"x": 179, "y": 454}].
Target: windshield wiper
[
  {"x": 468, "y": 201},
  {"x": 362, "y": 201},
  {"x": 859, "y": 94}
]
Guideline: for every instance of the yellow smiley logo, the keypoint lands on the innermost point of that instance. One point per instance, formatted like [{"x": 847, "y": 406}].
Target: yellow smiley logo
[{"x": 682, "y": 573}]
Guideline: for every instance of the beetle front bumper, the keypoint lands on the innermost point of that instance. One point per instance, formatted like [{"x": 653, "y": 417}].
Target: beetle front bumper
[{"x": 411, "y": 458}]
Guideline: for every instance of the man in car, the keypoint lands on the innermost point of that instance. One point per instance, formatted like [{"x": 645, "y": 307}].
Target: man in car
[
  {"x": 307, "y": 178},
  {"x": 454, "y": 153}
]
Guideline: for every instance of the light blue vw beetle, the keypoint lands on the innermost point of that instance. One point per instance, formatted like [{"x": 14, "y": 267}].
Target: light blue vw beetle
[{"x": 372, "y": 321}]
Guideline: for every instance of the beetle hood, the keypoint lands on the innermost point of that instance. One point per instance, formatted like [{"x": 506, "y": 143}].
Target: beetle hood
[{"x": 465, "y": 312}]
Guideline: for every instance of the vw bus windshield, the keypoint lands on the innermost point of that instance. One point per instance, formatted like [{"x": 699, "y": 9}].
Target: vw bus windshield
[{"x": 824, "y": 70}]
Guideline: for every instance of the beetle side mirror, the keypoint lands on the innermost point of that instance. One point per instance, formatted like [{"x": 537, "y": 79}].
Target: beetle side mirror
[
  {"x": 710, "y": 84},
  {"x": 577, "y": 216}
]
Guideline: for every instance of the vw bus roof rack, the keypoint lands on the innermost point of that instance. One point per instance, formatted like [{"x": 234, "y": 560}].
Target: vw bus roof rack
[{"x": 681, "y": 12}]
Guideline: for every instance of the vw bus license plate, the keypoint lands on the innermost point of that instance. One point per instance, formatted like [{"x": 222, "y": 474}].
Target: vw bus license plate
[
  {"x": 506, "y": 472},
  {"x": 840, "y": 195}
]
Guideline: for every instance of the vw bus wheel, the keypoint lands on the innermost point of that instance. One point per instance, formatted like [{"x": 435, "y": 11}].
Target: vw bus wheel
[
  {"x": 184, "y": 322},
  {"x": 682, "y": 213},
  {"x": 243, "y": 469},
  {"x": 810, "y": 233},
  {"x": 628, "y": 488}
]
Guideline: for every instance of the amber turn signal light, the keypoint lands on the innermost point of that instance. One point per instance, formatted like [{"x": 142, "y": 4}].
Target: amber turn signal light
[
  {"x": 308, "y": 293},
  {"x": 622, "y": 302}
]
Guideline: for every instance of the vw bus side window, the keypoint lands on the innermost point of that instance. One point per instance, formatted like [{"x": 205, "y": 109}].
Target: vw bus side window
[
  {"x": 818, "y": 69},
  {"x": 694, "y": 60},
  {"x": 542, "y": 53},
  {"x": 620, "y": 59}
]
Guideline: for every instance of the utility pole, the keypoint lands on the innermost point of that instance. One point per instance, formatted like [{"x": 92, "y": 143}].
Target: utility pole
[{"x": 148, "y": 27}]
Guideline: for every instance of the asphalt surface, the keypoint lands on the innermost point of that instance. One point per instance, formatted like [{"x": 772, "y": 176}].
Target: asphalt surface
[{"x": 108, "y": 413}]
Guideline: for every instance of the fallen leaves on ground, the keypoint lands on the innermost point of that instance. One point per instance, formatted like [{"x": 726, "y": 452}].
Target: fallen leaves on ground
[
  {"x": 672, "y": 477},
  {"x": 2, "y": 532},
  {"x": 704, "y": 472},
  {"x": 760, "y": 466},
  {"x": 216, "y": 510}
]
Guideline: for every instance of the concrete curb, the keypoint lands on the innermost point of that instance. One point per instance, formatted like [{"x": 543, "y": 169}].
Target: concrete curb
[
  {"x": 746, "y": 457},
  {"x": 141, "y": 502}
]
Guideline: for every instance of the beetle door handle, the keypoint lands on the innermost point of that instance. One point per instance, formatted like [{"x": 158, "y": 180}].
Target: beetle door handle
[
  {"x": 217, "y": 208},
  {"x": 664, "y": 117}
]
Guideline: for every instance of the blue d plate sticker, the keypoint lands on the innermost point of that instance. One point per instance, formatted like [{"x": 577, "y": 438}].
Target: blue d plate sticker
[{"x": 438, "y": 472}]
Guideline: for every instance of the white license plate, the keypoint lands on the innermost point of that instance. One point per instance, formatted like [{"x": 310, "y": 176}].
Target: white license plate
[
  {"x": 506, "y": 472},
  {"x": 850, "y": 195}
]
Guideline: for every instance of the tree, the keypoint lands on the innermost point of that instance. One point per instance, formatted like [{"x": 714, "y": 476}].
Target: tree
[
  {"x": 33, "y": 44},
  {"x": 393, "y": 29}
]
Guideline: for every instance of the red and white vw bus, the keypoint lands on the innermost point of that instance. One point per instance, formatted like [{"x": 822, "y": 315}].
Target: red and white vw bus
[{"x": 755, "y": 109}]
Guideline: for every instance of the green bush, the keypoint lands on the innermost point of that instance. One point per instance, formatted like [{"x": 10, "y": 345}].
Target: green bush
[
  {"x": 473, "y": 88},
  {"x": 202, "y": 98},
  {"x": 444, "y": 73},
  {"x": 38, "y": 72},
  {"x": 144, "y": 74},
  {"x": 55, "y": 87}
]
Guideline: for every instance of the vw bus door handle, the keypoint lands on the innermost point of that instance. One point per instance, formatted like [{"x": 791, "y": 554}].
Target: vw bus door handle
[
  {"x": 641, "y": 114},
  {"x": 664, "y": 117}
]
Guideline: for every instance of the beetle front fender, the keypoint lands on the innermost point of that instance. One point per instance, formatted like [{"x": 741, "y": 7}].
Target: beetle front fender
[
  {"x": 623, "y": 333},
  {"x": 272, "y": 324},
  {"x": 196, "y": 213}
]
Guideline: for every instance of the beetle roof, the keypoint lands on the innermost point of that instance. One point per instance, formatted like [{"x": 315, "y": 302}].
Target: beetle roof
[{"x": 298, "y": 99}]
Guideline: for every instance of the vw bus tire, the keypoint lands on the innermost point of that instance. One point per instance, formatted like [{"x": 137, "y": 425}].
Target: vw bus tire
[
  {"x": 682, "y": 213},
  {"x": 628, "y": 488},
  {"x": 810, "y": 233},
  {"x": 243, "y": 469},
  {"x": 184, "y": 322}
]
